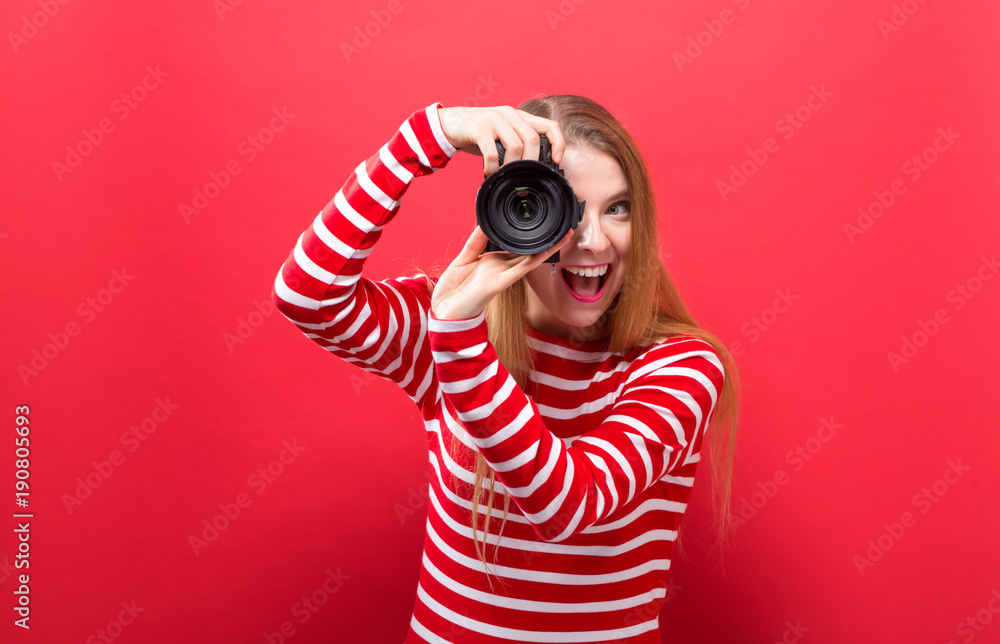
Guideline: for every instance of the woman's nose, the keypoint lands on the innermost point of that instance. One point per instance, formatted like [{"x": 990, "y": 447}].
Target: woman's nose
[{"x": 589, "y": 234}]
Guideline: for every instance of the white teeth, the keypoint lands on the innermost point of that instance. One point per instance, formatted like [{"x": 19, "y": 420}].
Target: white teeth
[{"x": 593, "y": 271}]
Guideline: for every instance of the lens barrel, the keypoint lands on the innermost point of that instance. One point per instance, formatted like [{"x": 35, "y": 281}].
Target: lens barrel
[{"x": 527, "y": 206}]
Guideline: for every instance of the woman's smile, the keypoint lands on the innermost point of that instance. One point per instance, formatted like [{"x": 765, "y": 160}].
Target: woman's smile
[{"x": 585, "y": 283}]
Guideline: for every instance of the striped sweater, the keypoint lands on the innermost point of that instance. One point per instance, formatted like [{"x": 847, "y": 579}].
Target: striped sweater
[{"x": 599, "y": 461}]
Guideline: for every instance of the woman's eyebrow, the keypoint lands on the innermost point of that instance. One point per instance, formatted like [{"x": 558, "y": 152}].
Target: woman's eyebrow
[{"x": 619, "y": 195}]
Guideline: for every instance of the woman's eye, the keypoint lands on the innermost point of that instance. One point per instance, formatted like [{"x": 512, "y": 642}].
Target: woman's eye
[{"x": 620, "y": 208}]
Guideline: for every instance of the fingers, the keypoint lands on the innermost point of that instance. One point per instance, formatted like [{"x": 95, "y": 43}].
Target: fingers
[
  {"x": 526, "y": 132},
  {"x": 551, "y": 130},
  {"x": 473, "y": 276},
  {"x": 487, "y": 145},
  {"x": 521, "y": 265},
  {"x": 476, "y": 130},
  {"x": 473, "y": 248},
  {"x": 513, "y": 147},
  {"x": 528, "y": 127},
  {"x": 518, "y": 131}
]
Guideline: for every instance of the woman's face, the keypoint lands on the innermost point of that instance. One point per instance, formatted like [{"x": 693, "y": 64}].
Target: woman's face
[{"x": 592, "y": 266}]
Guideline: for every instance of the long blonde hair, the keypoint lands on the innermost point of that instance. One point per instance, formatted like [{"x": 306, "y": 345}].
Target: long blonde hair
[{"x": 649, "y": 309}]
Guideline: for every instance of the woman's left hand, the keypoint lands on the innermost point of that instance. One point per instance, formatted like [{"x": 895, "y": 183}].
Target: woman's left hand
[{"x": 473, "y": 279}]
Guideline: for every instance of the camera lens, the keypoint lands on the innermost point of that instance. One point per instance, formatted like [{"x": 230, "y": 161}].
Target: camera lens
[{"x": 526, "y": 206}]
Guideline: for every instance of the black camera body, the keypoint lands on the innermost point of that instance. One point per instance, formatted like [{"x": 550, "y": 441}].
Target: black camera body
[{"x": 527, "y": 206}]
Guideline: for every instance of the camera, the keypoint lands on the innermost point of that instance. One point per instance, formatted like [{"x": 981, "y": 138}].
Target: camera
[{"x": 527, "y": 206}]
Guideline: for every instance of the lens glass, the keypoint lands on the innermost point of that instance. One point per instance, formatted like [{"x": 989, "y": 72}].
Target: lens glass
[{"x": 525, "y": 207}]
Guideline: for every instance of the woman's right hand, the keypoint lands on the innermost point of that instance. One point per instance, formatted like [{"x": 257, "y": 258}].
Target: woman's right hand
[{"x": 476, "y": 129}]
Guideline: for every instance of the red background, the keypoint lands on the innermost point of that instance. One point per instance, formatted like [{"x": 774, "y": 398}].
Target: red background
[{"x": 334, "y": 506}]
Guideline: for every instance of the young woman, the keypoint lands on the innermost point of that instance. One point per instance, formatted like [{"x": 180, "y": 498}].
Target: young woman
[{"x": 582, "y": 395}]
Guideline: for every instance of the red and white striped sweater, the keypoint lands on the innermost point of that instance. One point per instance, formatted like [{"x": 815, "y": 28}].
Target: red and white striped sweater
[{"x": 599, "y": 461}]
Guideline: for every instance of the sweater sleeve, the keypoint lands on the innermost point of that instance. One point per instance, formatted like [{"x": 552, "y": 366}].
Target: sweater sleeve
[
  {"x": 379, "y": 326},
  {"x": 652, "y": 431}
]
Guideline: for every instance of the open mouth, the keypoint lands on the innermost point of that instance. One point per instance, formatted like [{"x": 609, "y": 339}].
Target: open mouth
[{"x": 586, "y": 283}]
